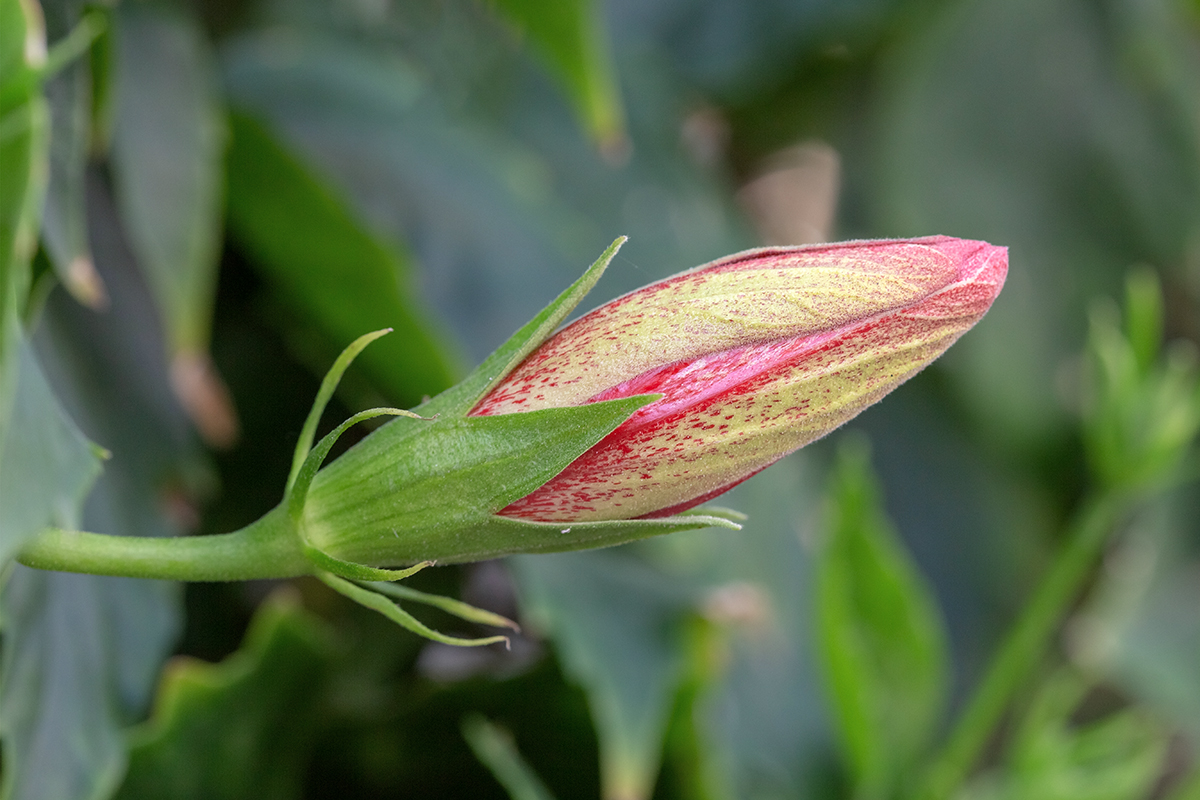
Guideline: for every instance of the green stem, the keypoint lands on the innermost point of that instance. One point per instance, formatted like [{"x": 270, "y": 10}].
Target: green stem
[
  {"x": 268, "y": 548},
  {"x": 1020, "y": 652}
]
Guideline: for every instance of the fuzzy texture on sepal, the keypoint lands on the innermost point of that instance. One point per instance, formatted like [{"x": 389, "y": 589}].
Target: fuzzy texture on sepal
[{"x": 755, "y": 355}]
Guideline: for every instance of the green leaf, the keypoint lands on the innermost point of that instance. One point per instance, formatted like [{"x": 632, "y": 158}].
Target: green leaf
[
  {"x": 242, "y": 728},
  {"x": 47, "y": 466},
  {"x": 64, "y": 226},
  {"x": 166, "y": 158},
  {"x": 1144, "y": 404},
  {"x": 81, "y": 652},
  {"x": 1188, "y": 788},
  {"x": 327, "y": 263},
  {"x": 1144, "y": 316},
  {"x": 464, "y": 395},
  {"x": 571, "y": 38},
  {"x": 618, "y": 629},
  {"x": 1139, "y": 629},
  {"x": 1118, "y": 757},
  {"x": 494, "y": 746},
  {"x": 24, "y": 142},
  {"x": 762, "y": 731},
  {"x": 490, "y": 204},
  {"x": 18, "y": 24},
  {"x": 880, "y": 639}
]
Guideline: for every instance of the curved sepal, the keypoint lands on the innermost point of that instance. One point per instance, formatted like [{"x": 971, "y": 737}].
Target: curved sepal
[
  {"x": 328, "y": 385},
  {"x": 458, "y": 608},
  {"x": 462, "y": 397},
  {"x": 377, "y": 602},
  {"x": 426, "y": 491},
  {"x": 359, "y": 572},
  {"x": 298, "y": 488},
  {"x": 501, "y": 536}
]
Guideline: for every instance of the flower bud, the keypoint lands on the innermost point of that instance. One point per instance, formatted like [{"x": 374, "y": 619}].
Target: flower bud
[{"x": 755, "y": 355}]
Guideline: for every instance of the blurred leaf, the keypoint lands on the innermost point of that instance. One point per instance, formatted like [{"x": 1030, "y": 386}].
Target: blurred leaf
[
  {"x": 1188, "y": 788},
  {"x": 730, "y": 50},
  {"x": 1144, "y": 316},
  {"x": 64, "y": 227},
  {"x": 1118, "y": 757},
  {"x": 1080, "y": 176},
  {"x": 1157, "y": 652},
  {"x": 494, "y": 746},
  {"x": 81, "y": 652},
  {"x": 17, "y": 26},
  {"x": 24, "y": 138},
  {"x": 766, "y": 727},
  {"x": 880, "y": 635},
  {"x": 327, "y": 263},
  {"x": 1140, "y": 629},
  {"x": 24, "y": 141},
  {"x": 166, "y": 156},
  {"x": 10, "y": 341},
  {"x": 455, "y": 190},
  {"x": 496, "y": 191},
  {"x": 618, "y": 630},
  {"x": 242, "y": 728},
  {"x": 570, "y": 36},
  {"x": 1144, "y": 404},
  {"x": 46, "y": 465}
]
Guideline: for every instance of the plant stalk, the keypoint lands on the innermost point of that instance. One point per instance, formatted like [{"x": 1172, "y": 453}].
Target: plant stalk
[
  {"x": 267, "y": 548},
  {"x": 1021, "y": 650}
]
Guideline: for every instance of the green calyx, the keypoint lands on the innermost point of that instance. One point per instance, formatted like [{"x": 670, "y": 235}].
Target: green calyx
[{"x": 427, "y": 488}]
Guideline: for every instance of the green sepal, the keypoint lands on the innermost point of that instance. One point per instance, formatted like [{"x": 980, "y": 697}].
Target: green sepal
[
  {"x": 458, "y": 608},
  {"x": 328, "y": 385},
  {"x": 377, "y": 602},
  {"x": 357, "y": 572},
  {"x": 462, "y": 397},
  {"x": 502, "y": 536},
  {"x": 410, "y": 493},
  {"x": 297, "y": 490}
]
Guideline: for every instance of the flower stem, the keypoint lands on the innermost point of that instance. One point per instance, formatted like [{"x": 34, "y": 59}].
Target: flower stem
[
  {"x": 1019, "y": 654},
  {"x": 267, "y": 548}
]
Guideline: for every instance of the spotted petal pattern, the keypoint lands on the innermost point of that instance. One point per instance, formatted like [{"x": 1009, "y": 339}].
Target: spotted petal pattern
[{"x": 756, "y": 355}]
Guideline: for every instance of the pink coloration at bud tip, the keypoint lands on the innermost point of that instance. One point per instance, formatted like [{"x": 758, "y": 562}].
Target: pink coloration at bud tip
[{"x": 755, "y": 355}]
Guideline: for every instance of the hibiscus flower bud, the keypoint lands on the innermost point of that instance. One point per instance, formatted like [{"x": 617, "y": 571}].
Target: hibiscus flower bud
[{"x": 755, "y": 355}]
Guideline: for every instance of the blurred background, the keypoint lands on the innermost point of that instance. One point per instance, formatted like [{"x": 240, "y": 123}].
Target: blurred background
[{"x": 239, "y": 188}]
